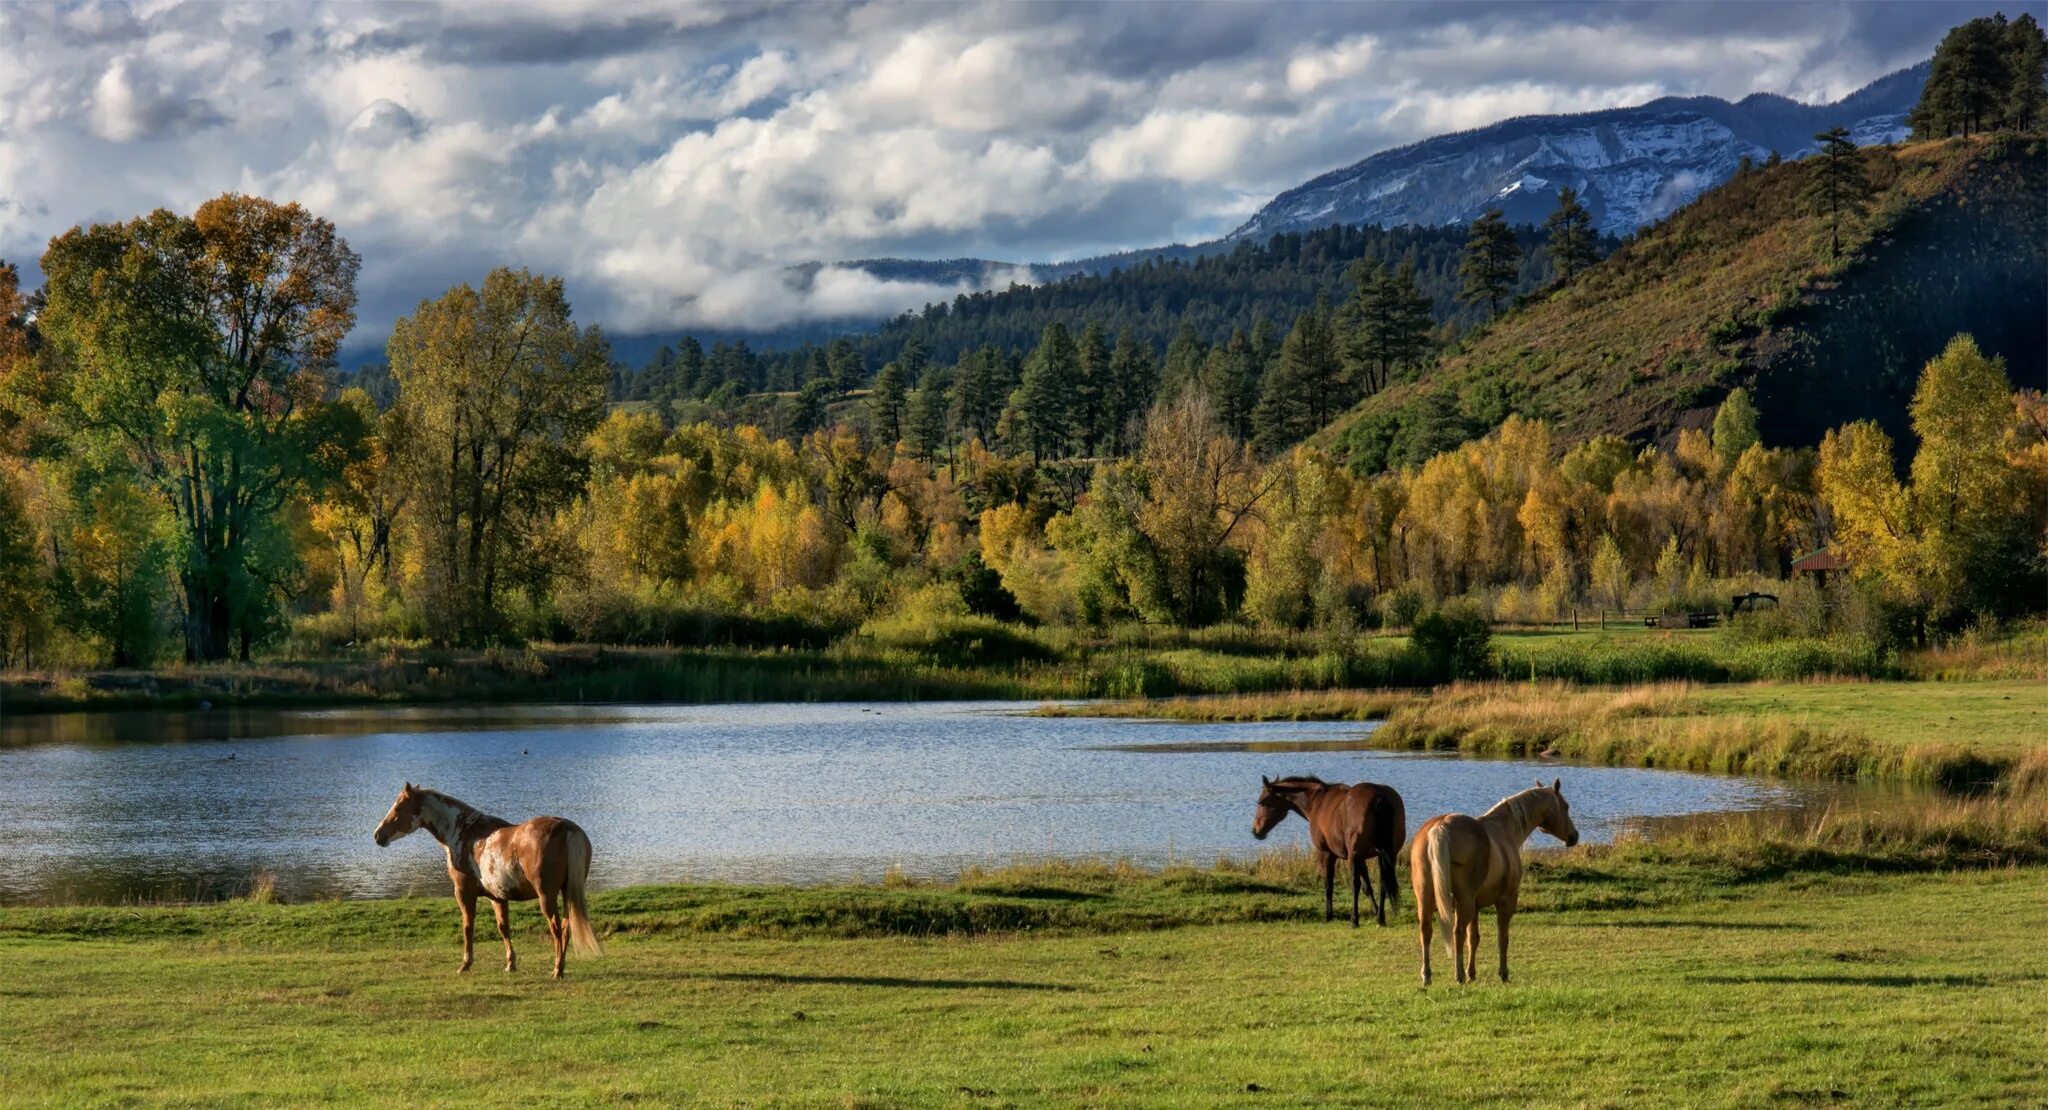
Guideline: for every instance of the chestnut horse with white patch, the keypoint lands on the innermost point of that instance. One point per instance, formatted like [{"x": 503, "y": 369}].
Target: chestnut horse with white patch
[
  {"x": 489, "y": 857},
  {"x": 1461, "y": 864},
  {"x": 1345, "y": 822}
]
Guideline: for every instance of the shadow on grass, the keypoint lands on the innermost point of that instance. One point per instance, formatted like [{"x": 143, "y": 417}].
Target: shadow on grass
[
  {"x": 1685, "y": 923},
  {"x": 1837, "y": 980},
  {"x": 883, "y": 981}
]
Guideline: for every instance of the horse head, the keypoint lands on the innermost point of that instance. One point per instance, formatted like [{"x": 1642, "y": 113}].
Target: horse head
[
  {"x": 1274, "y": 806},
  {"x": 1557, "y": 816},
  {"x": 403, "y": 818}
]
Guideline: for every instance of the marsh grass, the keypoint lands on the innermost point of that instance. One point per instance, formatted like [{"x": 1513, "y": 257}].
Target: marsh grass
[{"x": 1839, "y": 731}]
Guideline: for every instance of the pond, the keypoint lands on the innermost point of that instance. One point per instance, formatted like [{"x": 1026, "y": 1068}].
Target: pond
[{"x": 111, "y": 807}]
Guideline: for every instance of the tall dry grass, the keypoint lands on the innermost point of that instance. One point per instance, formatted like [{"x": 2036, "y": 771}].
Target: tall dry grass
[
  {"x": 1284, "y": 705},
  {"x": 1656, "y": 726}
]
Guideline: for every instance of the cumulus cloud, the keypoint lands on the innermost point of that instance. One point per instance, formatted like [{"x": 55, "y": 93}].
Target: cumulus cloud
[{"x": 678, "y": 163}]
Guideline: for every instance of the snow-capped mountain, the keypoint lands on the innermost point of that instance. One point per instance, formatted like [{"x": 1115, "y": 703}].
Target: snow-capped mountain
[{"x": 1631, "y": 166}]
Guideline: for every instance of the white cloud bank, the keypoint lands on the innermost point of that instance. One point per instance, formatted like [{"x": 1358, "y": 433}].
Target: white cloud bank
[{"x": 674, "y": 161}]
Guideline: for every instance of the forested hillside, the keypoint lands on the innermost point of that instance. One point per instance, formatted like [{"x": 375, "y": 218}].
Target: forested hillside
[
  {"x": 1744, "y": 287},
  {"x": 1151, "y": 300}
]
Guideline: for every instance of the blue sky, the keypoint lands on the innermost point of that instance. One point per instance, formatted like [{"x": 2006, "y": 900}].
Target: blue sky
[{"x": 670, "y": 160}]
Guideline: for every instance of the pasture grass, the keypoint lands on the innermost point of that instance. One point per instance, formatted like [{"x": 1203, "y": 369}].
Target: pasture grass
[{"x": 1640, "y": 979}]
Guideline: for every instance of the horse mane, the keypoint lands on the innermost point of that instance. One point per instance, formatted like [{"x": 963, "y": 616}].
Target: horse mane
[
  {"x": 466, "y": 816},
  {"x": 1515, "y": 802},
  {"x": 1299, "y": 780},
  {"x": 455, "y": 803}
]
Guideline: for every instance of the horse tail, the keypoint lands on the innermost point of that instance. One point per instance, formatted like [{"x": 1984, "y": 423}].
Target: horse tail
[
  {"x": 1390, "y": 846},
  {"x": 1439, "y": 854},
  {"x": 577, "y": 874}
]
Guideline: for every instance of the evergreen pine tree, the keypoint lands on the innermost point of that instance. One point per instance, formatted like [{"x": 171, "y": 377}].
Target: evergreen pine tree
[
  {"x": 1969, "y": 83},
  {"x": 1304, "y": 390},
  {"x": 1093, "y": 387},
  {"x": 1492, "y": 259},
  {"x": 1184, "y": 358},
  {"x": 979, "y": 390},
  {"x": 1136, "y": 381},
  {"x": 885, "y": 406},
  {"x": 913, "y": 360},
  {"x": 925, "y": 422},
  {"x": 1233, "y": 385},
  {"x": 1835, "y": 184},
  {"x": 811, "y": 400},
  {"x": 689, "y": 377},
  {"x": 1385, "y": 324},
  {"x": 843, "y": 358},
  {"x": 1044, "y": 400},
  {"x": 1570, "y": 229},
  {"x": 2026, "y": 63}
]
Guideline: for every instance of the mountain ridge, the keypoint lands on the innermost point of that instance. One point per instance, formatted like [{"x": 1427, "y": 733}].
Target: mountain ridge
[{"x": 1632, "y": 165}]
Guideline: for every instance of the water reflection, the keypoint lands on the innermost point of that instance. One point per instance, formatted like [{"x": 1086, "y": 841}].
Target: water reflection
[{"x": 107, "y": 807}]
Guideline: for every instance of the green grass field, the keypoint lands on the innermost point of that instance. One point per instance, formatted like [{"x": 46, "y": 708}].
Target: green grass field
[{"x": 1808, "y": 990}]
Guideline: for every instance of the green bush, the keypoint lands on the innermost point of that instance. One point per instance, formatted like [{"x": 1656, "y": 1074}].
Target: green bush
[{"x": 1455, "y": 640}]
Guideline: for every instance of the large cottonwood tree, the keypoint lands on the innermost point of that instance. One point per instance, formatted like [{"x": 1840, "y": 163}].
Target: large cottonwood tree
[{"x": 189, "y": 355}]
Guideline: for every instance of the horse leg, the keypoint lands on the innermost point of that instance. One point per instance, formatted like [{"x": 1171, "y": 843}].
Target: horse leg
[
  {"x": 1379, "y": 896},
  {"x": 558, "y": 929},
  {"x": 1354, "y": 891},
  {"x": 1424, "y": 915},
  {"x": 503, "y": 913},
  {"x": 1328, "y": 863},
  {"x": 468, "y": 904},
  {"x": 1501, "y": 915},
  {"x": 1471, "y": 944}
]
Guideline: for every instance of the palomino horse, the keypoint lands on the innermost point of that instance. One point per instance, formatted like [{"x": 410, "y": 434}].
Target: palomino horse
[
  {"x": 1351, "y": 823},
  {"x": 493, "y": 858},
  {"x": 1461, "y": 864}
]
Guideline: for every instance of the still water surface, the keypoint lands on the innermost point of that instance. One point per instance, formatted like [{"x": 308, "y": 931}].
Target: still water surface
[{"x": 105, "y": 807}]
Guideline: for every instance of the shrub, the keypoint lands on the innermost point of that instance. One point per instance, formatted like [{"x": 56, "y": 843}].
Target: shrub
[{"x": 1456, "y": 640}]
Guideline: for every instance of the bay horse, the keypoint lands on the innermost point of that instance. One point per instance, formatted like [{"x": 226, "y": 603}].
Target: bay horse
[
  {"x": 1461, "y": 864},
  {"x": 489, "y": 857},
  {"x": 1345, "y": 822}
]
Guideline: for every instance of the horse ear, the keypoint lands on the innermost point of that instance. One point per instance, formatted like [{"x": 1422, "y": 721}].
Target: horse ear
[
  {"x": 1539, "y": 784},
  {"x": 1265, "y": 780},
  {"x": 1557, "y": 785}
]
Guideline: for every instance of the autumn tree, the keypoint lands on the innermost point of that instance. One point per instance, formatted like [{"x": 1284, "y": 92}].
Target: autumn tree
[
  {"x": 190, "y": 358},
  {"x": 1201, "y": 487},
  {"x": 1955, "y": 539},
  {"x": 1734, "y": 426},
  {"x": 24, "y": 581},
  {"x": 359, "y": 511},
  {"x": 498, "y": 388}
]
